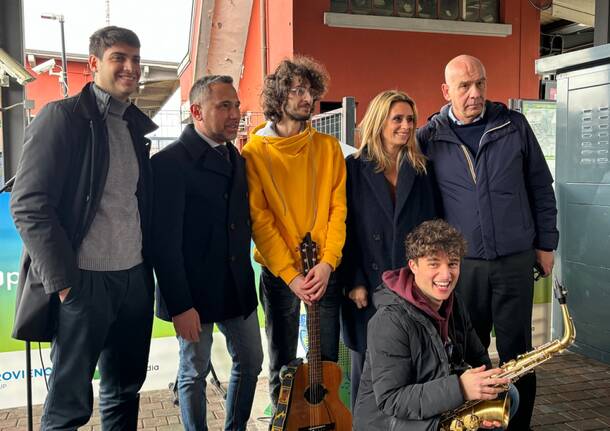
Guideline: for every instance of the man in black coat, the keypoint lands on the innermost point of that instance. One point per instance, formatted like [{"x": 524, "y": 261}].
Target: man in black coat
[
  {"x": 497, "y": 190},
  {"x": 81, "y": 203},
  {"x": 201, "y": 231}
]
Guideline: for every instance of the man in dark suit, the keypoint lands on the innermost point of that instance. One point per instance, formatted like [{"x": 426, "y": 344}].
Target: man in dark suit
[{"x": 201, "y": 227}]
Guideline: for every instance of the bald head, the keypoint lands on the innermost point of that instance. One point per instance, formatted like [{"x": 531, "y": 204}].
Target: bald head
[
  {"x": 463, "y": 63},
  {"x": 465, "y": 87}
]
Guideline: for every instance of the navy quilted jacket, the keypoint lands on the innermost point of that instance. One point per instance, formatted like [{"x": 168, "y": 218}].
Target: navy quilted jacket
[{"x": 505, "y": 191}]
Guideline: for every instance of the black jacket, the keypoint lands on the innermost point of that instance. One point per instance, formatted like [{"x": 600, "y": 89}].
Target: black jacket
[
  {"x": 407, "y": 381},
  {"x": 376, "y": 232},
  {"x": 201, "y": 231},
  {"x": 57, "y": 191},
  {"x": 507, "y": 193}
]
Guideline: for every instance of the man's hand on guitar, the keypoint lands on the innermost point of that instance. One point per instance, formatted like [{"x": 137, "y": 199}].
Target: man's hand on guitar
[
  {"x": 297, "y": 286},
  {"x": 188, "y": 325},
  {"x": 317, "y": 280}
]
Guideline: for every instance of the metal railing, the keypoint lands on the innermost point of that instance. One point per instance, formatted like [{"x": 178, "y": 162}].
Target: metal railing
[{"x": 340, "y": 123}]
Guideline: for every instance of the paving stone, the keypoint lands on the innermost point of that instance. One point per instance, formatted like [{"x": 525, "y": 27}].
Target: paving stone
[
  {"x": 172, "y": 412},
  {"x": 157, "y": 405},
  {"x": 554, "y": 427},
  {"x": 547, "y": 419},
  {"x": 573, "y": 394},
  {"x": 169, "y": 404},
  {"x": 154, "y": 422},
  {"x": 145, "y": 414},
  {"x": 173, "y": 420},
  {"x": 173, "y": 427},
  {"x": 8, "y": 423},
  {"x": 589, "y": 424}
]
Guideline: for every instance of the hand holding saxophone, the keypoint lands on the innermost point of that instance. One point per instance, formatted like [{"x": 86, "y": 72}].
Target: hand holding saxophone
[{"x": 480, "y": 384}]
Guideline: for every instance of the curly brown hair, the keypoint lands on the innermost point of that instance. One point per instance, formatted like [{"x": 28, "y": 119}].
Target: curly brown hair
[
  {"x": 277, "y": 85},
  {"x": 434, "y": 236}
]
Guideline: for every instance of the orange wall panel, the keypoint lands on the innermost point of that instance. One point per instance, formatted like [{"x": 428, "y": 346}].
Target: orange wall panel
[
  {"x": 279, "y": 46},
  {"x": 362, "y": 63},
  {"x": 186, "y": 77},
  {"x": 251, "y": 80},
  {"x": 46, "y": 87},
  {"x": 280, "y": 28}
]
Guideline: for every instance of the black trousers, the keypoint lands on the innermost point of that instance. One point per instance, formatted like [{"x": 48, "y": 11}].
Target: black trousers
[
  {"x": 106, "y": 320},
  {"x": 282, "y": 311},
  {"x": 500, "y": 293}
]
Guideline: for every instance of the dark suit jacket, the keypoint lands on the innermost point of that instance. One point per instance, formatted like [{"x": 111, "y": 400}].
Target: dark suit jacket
[
  {"x": 201, "y": 231},
  {"x": 59, "y": 185},
  {"x": 376, "y": 232}
]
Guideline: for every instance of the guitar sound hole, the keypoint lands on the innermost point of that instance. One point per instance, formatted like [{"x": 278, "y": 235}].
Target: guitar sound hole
[{"x": 315, "y": 394}]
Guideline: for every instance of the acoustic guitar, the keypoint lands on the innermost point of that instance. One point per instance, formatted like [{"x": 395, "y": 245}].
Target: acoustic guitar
[{"x": 315, "y": 404}]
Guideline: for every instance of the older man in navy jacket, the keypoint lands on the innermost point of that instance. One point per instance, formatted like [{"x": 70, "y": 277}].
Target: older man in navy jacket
[
  {"x": 201, "y": 227},
  {"x": 497, "y": 190}
]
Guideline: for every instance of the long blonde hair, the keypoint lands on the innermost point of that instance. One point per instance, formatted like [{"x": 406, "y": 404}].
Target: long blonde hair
[{"x": 371, "y": 129}]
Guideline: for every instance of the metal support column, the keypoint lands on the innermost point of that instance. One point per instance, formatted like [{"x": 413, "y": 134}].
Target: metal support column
[
  {"x": 601, "y": 35},
  {"x": 348, "y": 120},
  {"x": 12, "y": 121}
]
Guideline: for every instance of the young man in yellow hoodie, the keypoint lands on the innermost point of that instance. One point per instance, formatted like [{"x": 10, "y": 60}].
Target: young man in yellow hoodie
[{"x": 296, "y": 180}]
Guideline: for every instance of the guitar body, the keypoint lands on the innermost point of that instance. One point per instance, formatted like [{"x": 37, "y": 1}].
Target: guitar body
[
  {"x": 325, "y": 413},
  {"x": 314, "y": 398}
]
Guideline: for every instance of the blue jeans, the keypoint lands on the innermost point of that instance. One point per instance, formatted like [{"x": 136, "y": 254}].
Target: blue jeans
[
  {"x": 244, "y": 346},
  {"x": 282, "y": 311}
]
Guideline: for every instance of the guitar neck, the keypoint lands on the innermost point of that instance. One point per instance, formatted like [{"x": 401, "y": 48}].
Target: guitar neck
[
  {"x": 309, "y": 258},
  {"x": 314, "y": 355}
]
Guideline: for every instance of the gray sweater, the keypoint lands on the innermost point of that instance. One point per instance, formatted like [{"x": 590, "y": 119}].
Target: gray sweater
[{"x": 114, "y": 241}]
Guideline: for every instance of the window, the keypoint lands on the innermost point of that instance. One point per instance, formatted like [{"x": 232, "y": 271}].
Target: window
[{"x": 457, "y": 10}]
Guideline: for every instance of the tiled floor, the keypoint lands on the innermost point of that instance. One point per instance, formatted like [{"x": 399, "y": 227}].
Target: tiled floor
[{"x": 573, "y": 394}]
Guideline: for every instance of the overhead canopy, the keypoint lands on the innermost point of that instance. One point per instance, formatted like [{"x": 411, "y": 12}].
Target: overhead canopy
[
  {"x": 158, "y": 81},
  {"x": 578, "y": 11}
]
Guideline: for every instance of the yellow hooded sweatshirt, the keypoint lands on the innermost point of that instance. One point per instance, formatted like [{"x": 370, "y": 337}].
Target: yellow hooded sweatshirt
[{"x": 296, "y": 185}]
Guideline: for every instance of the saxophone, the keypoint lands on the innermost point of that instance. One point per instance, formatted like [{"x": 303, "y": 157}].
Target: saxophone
[{"x": 470, "y": 415}]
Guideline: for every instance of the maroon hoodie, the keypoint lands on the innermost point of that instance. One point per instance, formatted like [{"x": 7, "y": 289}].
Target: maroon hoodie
[{"x": 402, "y": 282}]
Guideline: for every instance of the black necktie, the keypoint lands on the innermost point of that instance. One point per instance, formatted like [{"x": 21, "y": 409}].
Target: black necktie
[{"x": 224, "y": 152}]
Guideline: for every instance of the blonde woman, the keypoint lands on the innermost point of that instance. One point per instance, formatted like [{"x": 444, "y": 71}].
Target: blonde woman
[{"x": 390, "y": 190}]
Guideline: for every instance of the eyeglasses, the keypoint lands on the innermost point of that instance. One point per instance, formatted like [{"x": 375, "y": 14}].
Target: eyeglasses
[{"x": 300, "y": 92}]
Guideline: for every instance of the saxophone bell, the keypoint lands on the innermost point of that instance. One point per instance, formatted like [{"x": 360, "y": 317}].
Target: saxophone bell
[{"x": 471, "y": 414}]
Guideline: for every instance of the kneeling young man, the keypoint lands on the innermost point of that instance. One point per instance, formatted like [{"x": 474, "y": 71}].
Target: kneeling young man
[{"x": 421, "y": 342}]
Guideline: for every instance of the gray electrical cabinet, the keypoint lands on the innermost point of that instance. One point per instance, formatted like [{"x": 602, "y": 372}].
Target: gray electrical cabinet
[{"x": 582, "y": 185}]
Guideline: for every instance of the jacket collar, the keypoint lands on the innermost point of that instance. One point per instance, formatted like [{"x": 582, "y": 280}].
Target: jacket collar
[
  {"x": 86, "y": 105},
  {"x": 199, "y": 149},
  {"x": 380, "y": 186},
  {"x": 497, "y": 114},
  {"x": 384, "y": 296}
]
